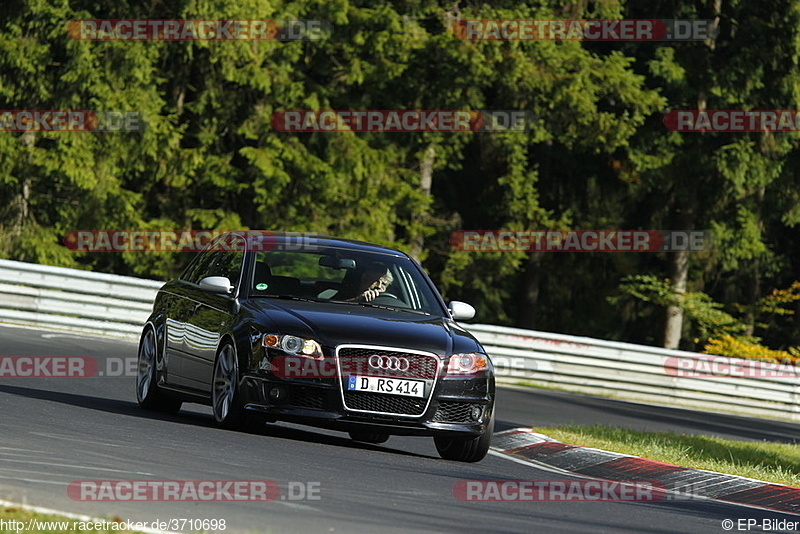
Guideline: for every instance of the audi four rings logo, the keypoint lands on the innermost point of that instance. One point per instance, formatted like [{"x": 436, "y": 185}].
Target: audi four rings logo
[{"x": 389, "y": 363}]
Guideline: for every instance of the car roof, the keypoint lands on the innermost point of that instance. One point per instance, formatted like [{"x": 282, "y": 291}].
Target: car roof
[{"x": 322, "y": 241}]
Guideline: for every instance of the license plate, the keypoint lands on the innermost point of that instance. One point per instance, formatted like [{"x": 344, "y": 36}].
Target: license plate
[{"x": 394, "y": 386}]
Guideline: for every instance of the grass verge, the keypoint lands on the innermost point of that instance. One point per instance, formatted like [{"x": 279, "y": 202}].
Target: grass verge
[
  {"x": 18, "y": 520},
  {"x": 768, "y": 461}
]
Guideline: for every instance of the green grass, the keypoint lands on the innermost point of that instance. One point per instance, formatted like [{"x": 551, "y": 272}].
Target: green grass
[
  {"x": 18, "y": 514},
  {"x": 768, "y": 461}
]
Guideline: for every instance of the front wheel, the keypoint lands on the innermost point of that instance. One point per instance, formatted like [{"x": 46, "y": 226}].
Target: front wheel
[
  {"x": 225, "y": 395},
  {"x": 465, "y": 449},
  {"x": 148, "y": 394}
]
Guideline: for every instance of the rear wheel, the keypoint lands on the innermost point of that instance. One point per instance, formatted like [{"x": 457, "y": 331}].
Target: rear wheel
[
  {"x": 465, "y": 449},
  {"x": 225, "y": 395},
  {"x": 368, "y": 437},
  {"x": 148, "y": 393}
]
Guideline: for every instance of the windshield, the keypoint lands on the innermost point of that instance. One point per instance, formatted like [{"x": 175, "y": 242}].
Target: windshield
[{"x": 343, "y": 276}]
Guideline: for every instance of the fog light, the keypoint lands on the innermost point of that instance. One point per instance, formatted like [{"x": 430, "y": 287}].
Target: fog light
[
  {"x": 277, "y": 394},
  {"x": 476, "y": 413}
]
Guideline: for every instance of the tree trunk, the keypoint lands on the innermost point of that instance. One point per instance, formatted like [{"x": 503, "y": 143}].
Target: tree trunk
[
  {"x": 679, "y": 270},
  {"x": 531, "y": 278},
  {"x": 23, "y": 199},
  {"x": 754, "y": 288},
  {"x": 679, "y": 260},
  {"x": 754, "y": 293},
  {"x": 679, "y": 275},
  {"x": 425, "y": 182},
  {"x": 528, "y": 311}
]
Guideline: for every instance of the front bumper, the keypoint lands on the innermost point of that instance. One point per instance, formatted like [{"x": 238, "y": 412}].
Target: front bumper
[{"x": 458, "y": 406}]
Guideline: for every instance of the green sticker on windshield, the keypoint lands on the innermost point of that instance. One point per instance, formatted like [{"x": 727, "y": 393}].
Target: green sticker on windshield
[{"x": 261, "y": 287}]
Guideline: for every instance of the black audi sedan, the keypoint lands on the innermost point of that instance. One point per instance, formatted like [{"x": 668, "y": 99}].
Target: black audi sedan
[{"x": 321, "y": 331}]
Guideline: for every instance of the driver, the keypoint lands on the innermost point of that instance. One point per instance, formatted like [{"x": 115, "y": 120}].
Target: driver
[{"x": 375, "y": 279}]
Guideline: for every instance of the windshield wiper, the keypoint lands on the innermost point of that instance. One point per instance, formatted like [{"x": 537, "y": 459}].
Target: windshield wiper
[
  {"x": 350, "y": 302},
  {"x": 291, "y": 297},
  {"x": 393, "y": 308}
]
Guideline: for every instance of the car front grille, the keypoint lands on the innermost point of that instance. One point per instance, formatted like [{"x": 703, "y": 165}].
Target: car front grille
[
  {"x": 453, "y": 412},
  {"x": 354, "y": 360},
  {"x": 382, "y": 403}
]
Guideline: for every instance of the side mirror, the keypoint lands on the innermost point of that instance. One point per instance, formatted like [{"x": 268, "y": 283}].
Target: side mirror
[
  {"x": 461, "y": 311},
  {"x": 216, "y": 284}
]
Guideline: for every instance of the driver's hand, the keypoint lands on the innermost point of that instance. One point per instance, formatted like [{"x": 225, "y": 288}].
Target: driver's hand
[{"x": 370, "y": 294}]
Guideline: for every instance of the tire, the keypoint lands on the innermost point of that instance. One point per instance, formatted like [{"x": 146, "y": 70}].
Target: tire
[
  {"x": 226, "y": 404},
  {"x": 465, "y": 449},
  {"x": 368, "y": 437},
  {"x": 148, "y": 394}
]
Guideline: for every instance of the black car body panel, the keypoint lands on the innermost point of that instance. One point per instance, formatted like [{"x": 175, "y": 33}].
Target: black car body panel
[{"x": 191, "y": 324}]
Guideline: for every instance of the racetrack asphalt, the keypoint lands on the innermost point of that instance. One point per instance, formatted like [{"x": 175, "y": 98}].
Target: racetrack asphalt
[{"x": 59, "y": 430}]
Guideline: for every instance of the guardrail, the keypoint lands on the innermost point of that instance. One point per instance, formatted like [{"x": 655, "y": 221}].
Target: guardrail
[
  {"x": 115, "y": 305},
  {"x": 76, "y": 300},
  {"x": 642, "y": 373}
]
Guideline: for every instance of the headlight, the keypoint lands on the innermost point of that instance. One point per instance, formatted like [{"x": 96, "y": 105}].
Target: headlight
[
  {"x": 468, "y": 364},
  {"x": 293, "y": 345}
]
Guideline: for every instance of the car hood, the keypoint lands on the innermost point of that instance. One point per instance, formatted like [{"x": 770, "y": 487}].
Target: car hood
[{"x": 334, "y": 324}]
